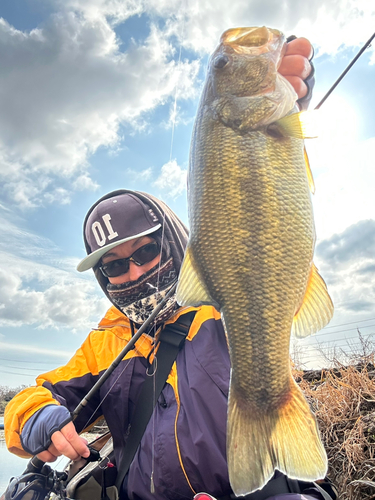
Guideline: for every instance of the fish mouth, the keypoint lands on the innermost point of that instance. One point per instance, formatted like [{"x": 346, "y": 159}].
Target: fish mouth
[{"x": 255, "y": 40}]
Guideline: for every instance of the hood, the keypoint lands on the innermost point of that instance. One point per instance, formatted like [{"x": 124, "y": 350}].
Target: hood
[{"x": 174, "y": 230}]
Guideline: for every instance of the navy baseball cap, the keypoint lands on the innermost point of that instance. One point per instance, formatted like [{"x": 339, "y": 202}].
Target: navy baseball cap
[{"x": 114, "y": 221}]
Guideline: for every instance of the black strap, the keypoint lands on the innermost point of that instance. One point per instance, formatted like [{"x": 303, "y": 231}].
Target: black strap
[
  {"x": 172, "y": 338},
  {"x": 277, "y": 486}
]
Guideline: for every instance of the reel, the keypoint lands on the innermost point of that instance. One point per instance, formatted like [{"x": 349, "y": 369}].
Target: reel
[{"x": 37, "y": 482}]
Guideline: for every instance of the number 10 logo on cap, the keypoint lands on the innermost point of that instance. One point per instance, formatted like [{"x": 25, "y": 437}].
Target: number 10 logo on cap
[{"x": 98, "y": 231}]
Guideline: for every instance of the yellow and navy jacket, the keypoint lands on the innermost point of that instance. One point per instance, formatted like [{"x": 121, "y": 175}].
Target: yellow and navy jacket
[{"x": 185, "y": 441}]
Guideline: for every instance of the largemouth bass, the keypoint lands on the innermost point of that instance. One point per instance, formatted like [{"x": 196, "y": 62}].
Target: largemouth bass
[{"x": 250, "y": 253}]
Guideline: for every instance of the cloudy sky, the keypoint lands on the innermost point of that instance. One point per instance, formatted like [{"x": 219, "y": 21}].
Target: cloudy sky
[{"x": 89, "y": 92}]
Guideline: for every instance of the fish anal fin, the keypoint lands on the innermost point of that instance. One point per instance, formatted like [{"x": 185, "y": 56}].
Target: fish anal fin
[
  {"x": 300, "y": 125},
  {"x": 316, "y": 309},
  {"x": 191, "y": 290},
  {"x": 285, "y": 438},
  {"x": 310, "y": 177}
]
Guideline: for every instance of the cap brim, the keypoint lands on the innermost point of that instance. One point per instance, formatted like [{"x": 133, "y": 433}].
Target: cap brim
[{"x": 91, "y": 260}]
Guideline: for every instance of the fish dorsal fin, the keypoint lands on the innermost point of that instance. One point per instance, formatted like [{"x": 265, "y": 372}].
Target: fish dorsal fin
[
  {"x": 316, "y": 309},
  {"x": 302, "y": 125},
  {"x": 310, "y": 177},
  {"x": 191, "y": 290}
]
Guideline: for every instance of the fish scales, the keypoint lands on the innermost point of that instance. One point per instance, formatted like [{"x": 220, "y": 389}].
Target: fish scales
[
  {"x": 250, "y": 254},
  {"x": 263, "y": 182}
]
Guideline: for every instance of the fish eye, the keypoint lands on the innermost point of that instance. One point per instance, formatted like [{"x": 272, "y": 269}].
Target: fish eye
[{"x": 221, "y": 61}]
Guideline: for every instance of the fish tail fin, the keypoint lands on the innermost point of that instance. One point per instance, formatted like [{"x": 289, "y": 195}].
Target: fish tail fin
[{"x": 286, "y": 439}]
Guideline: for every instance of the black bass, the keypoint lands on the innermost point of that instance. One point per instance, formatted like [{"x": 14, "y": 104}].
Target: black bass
[{"x": 250, "y": 253}]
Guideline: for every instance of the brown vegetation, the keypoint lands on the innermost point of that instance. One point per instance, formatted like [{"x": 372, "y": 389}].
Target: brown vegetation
[{"x": 343, "y": 400}]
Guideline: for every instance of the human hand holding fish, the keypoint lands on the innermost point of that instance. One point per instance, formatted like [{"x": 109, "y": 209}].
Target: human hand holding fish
[
  {"x": 250, "y": 250},
  {"x": 295, "y": 66}
]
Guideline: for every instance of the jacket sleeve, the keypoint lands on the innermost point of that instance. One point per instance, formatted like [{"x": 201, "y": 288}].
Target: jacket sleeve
[{"x": 66, "y": 386}]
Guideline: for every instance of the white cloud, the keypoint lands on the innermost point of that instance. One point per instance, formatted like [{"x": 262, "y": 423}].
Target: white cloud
[
  {"x": 139, "y": 175},
  {"x": 38, "y": 287},
  {"x": 66, "y": 87},
  {"x": 116, "y": 10},
  {"x": 47, "y": 297},
  {"x": 84, "y": 182},
  {"x": 172, "y": 180},
  {"x": 23, "y": 243},
  {"x": 346, "y": 261},
  {"x": 343, "y": 169},
  {"x": 58, "y": 195},
  {"x": 329, "y": 25},
  {"x": 337, "y": 24}
]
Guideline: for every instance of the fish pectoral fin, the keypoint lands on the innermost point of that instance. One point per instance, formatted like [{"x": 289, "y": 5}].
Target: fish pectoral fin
[
  {"x": 284, "y": 438},
  {"x": 191, "y": 290},
  {"x": 310, "y": 177},
  {"x": 243, "y": 113},
  {"x": 302, "y": 125},
  {"x": 316, "y": 309}
]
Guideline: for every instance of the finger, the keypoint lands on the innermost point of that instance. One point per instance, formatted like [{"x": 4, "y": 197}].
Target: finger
[
  {"x": 52, "y": 449},
  {"x": 63, "y": 446},
  {"x": 295, "y": 65},
  {"x": 298, "y": 84},
  {"x": 46, "y": 456},
  {"x": 300, "y": 46},
  {"x": 79, "y": 444}
]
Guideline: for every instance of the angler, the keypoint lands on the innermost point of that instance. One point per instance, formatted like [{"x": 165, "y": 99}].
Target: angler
[{"x": 176, "y": 449}]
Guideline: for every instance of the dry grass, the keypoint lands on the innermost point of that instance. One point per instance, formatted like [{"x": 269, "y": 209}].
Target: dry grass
[{"x": 343, "y": 399}]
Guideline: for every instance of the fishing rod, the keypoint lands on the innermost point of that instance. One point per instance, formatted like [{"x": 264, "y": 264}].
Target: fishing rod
[
  {"x": 129, "y": 346},
  {"x": 367, "y": 44}
]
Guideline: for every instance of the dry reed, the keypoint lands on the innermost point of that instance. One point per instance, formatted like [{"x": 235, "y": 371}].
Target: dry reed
[{"x": 343, "y": 400}]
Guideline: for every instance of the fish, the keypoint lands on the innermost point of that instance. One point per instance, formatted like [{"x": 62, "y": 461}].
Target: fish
[{"x": 250, "y": 252}]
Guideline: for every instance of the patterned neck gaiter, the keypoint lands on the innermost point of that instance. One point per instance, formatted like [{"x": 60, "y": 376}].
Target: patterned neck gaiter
[{"x": 137, "y": 299}]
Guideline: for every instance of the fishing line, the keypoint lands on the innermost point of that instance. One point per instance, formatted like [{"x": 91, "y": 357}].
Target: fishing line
[
  {"x": 128, "y": 347},
  {"x": 178, "y": 68},
  {"x": 76, "y": 411},
  {"x": 178, "y": 77},
  {"x": 110, "y": 388}
]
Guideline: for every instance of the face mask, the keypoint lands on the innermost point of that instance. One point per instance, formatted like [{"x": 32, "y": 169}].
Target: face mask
[{"x": 137, "y": 299}]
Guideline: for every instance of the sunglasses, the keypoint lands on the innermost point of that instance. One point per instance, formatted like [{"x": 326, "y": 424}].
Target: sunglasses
[{"x": 141, "y": 256}]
